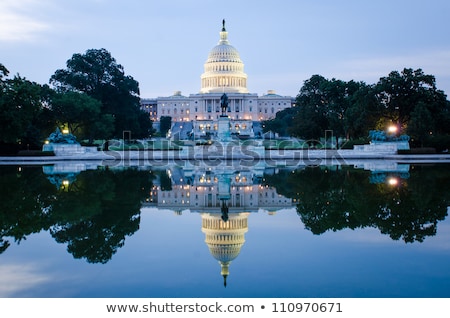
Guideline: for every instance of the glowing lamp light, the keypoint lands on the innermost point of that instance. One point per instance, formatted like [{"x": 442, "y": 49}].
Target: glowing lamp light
[
  {"x": 392, "y": 129},
  {"x": 393, "y": 181},
  {"x": 65, "y": 131}
]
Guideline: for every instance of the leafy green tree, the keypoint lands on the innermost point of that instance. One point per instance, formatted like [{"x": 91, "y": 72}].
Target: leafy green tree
[
  {"x": 165, "y": 180},
  {"x": 310, "y": 122},
  {"x": 21, "y": 211},
  {"x": 76, "y": 110},
  {"x": 93, "y": 214},
  {"x": 102, "y": 128},
  {"x": 3, "y": 72},
  {"x": 21, "y": 104},
  {"x": 363, "y": 112},
  {"x": 326, "y": 105},
  {"x": 97, "y": 74},
  {"x": 421, "y": 123},
  {"x": 336, "y": 198},
  {"x": 336, "y": 101},
  {"x": 400, "y": 93},
  {"x": 351, "y": 109},
  {"x": 165, "y": 124},
  {"x": 82, "y": 115},
  {"x": 282, "y": 122},
  {"x": 98, "y": 211},
  {"x": 442, "y": 119}
]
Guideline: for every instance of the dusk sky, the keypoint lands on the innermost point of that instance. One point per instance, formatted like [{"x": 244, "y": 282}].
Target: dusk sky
[{"x": 164, "y": 44}]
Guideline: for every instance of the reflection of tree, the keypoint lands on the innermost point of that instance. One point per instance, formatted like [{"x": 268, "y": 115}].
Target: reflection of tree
[
  {"x": 23, "y": 205},
  {"x": 94, "y": 215},
  {"x": 98, "y": 211},
  {"x": 165, "y": 180},
  {"x": 412, "y": 211},
  {"x": 344, "y": 198}
]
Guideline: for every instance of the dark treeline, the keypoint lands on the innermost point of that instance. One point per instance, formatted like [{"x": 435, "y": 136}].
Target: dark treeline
[
  {"x": 92, "y": 214},
  {"x": 407, "y": 99},
  {"x": 341, "y": 197},
  {"x": 92, "y": 98}
]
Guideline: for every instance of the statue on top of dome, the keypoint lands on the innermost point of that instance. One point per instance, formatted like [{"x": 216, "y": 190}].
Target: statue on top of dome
[{"x": 223, "y": 25}]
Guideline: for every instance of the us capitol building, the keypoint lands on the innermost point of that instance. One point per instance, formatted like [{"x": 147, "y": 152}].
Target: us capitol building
[
  {"x": 197, "y": 114},
  {"x": 224, "y": 198}
]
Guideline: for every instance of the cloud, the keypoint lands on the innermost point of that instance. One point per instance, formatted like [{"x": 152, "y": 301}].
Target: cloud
[
  {"x": 17, "y": 23},
  {"x": 16, "y": 278}
]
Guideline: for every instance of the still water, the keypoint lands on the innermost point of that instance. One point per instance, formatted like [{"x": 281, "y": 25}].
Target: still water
[{"x": 373, "y": 229}]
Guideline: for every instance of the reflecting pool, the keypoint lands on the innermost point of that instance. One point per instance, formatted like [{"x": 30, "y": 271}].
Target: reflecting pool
[{"x": 370, "y": 229}]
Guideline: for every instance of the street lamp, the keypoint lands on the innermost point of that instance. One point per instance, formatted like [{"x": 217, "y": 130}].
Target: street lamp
[{"x": 392, "y": 129}]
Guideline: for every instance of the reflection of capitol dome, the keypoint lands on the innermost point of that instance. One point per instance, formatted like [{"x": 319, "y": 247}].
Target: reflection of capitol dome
[
  {"x": 224, "y": 70},
  {"x": 225, "y": 239}
]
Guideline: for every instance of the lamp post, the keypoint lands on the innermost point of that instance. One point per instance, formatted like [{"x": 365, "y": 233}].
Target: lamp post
[{"x": 392, "y": 129}]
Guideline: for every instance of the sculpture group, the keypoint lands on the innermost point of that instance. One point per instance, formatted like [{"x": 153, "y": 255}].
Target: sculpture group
[
  {"x": 379, "y": 135},
  {"x": 57, "y": 137}
]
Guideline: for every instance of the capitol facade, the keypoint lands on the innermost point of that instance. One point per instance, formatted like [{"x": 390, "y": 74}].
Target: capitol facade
[
  {"x": 197, "y": 114},
  {"x": 224, "y": 198}
]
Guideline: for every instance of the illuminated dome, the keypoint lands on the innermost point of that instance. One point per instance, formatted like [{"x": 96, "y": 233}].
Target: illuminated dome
[
  {"x": 224, "y": 52},
  {"x": 224, "y": 70},
  {"x": 225, "y": 239}
]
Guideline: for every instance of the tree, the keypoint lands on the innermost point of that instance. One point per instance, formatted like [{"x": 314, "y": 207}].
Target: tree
[
  {"x": 324, "y": 105},
  {"x": 103, "y": 128},
  {"x": 76, "y": 110},
  {"x": 93, "y": 214},
  {"x": 339, "y": 97},
  {"x": 22, "y": 209},
  {"x": 363, "y": 112},
  {"x": 98, "y": 211},
  {"x": 351, "y": 109},
  {"x": 97, "y": 74},
  {"x": 421, "y": 124},
  {"x": 82, "y": 115},
  {"x": 344, "y": 197},
  {"x": 282, "y": 121},
  {"x": 21, "y": 104},
  {"x": 400, "y": 93},
  {"x": 442, "y": 123},
  {"x": 310, "y": 122},
  {"x": 3, "y": 71},
  {"x": 165, "y": 124}
]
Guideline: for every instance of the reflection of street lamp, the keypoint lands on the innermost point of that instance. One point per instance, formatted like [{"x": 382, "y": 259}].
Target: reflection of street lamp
[
  {"x": 65, "y": 185},
  {"x": 393, "y": 181}
]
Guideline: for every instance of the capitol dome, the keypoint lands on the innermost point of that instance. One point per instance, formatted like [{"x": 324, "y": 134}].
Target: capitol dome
[
  {"x": 224, "y": 53},
  {"x": 224, "y": 70},
  {"x": 225, "y": 238}
]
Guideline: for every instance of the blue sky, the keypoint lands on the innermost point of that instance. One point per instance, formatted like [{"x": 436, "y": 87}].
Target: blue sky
[{"x": 164, "y": 44}]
